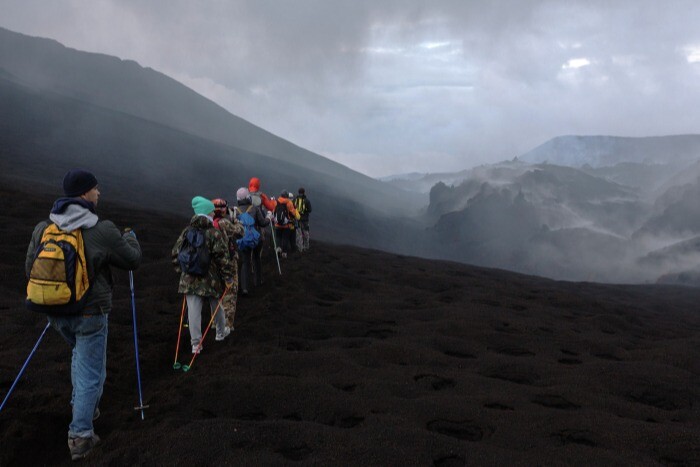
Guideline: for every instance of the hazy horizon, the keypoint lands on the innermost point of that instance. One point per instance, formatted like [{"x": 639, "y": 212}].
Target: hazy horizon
[{"x": 396, "y": 87}]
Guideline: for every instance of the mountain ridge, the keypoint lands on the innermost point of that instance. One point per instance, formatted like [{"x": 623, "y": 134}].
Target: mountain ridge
[
  {"x": 147, "y": 93},
  {"x": 604, "y": 150}
]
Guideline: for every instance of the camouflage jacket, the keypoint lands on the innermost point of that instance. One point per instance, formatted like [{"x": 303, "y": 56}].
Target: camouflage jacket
[
  {"x": 221, "y": 269},
  {"x": 231, "y": 230}
]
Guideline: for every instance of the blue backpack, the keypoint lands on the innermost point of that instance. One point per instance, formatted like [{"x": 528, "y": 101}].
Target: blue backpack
[
  {"x": 194, "y": 257},
  {"x": 251, "y": 237}
]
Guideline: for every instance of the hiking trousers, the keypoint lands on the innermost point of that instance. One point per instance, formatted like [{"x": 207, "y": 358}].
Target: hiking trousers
[
  {"x": 286, "y": 238},
  {"x": 87, "y": 335},
  {"x": 194, "y": 316},
  {"x": 246, "y": 269},
  {"x": 303, "y": 235},
  {"x": 251, "y": 267},
  {"x": 229, "y": 303}
]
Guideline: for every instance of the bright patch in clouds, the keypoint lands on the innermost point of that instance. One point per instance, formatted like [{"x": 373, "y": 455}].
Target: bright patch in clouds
[
  {"x": 692, "y": 53},
  {"x": 434, "y": 45},
  {"x": 576, "y": 63}
]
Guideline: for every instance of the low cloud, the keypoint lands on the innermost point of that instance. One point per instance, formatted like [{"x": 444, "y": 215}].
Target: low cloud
[{"x": 394, "y": 81}]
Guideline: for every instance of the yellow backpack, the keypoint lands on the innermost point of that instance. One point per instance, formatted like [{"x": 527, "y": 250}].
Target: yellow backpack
[
  {"x": 58, "y": 281},
  {"x": 300, "y": 205}
]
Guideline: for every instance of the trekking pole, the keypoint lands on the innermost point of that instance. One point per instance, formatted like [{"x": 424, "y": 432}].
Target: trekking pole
[
  {"x": 176, "y": 364},
  {"x": 274, "y": 243},
  {"x": 186, "y": 368},
  {"x": 136, "y": 344},
  {"x": 24, "y": 367}
]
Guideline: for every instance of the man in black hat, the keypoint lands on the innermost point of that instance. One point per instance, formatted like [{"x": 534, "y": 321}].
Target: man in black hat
[{"x": 85, "y": 329}]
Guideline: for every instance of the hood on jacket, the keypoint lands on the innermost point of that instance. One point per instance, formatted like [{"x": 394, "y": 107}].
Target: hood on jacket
[
  {"x": 73, "y": 213},
  {"x": 201, "y": 221},
  {"x": 254, "y": 185}
]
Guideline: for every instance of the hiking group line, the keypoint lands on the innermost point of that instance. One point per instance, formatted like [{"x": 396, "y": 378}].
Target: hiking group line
[{"x": 68, "y": 266}]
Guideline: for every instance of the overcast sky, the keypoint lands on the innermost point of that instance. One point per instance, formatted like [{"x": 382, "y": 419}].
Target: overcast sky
[{"x": 393, "y": 86}]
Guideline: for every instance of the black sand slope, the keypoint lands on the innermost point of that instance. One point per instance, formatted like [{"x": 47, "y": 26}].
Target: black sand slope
[{"x": 356, "y": 357}]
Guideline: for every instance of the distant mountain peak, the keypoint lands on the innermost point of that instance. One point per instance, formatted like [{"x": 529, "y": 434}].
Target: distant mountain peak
[{"x": 601, "y": 151}]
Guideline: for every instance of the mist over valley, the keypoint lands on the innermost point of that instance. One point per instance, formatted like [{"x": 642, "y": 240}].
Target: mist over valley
[{"x": 622, "y": 210}]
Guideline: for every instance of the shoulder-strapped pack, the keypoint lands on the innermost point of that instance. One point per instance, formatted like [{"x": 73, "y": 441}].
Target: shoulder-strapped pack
[
  {"x": 251, "y": 237},
  {"x": 281, "y": 214},
  {"x": 300, "y": 205},
  {"x": 58, "y": 280},
  {"x": 194, "y": 257}
]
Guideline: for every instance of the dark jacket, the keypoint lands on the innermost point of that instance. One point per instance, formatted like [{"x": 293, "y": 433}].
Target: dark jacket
[
  {"x": 105, "y": 246},
  {"x": 298, "y": 205},
  {"x": 246, "y": 205},
  {"x": 220, "y": 270}
]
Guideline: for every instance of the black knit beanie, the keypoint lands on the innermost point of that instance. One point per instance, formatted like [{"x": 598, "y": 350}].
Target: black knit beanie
[{"x": 78, "y": 182}]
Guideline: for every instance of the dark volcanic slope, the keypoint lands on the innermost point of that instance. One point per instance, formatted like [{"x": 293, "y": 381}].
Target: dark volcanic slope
[{"x": 359, "y": 357}]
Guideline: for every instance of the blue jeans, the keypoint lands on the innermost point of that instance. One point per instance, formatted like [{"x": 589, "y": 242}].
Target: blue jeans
[{"x": 87, "y": 335}]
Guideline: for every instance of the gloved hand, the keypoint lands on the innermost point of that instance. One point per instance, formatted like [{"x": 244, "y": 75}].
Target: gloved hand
[
  {"x": 129, "y": 231},
  {"x": 269, "y": 215}
]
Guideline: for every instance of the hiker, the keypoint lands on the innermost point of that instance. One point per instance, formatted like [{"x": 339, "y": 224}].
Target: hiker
[
  {"x": 258, "y": 197},
  {"x": 303, "y": 207},
  {"x": 251, "y": 253},
  {"x": 82, "y": 321},
  {"x": 231, "y": 230},
  {"x": 201, "y": 257},
  {"x": 266, "y": 203},
  {"x": 285, "y": 215}
]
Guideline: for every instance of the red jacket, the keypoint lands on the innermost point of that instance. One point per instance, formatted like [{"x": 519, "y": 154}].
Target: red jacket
[{"x": 254, "y": 187}]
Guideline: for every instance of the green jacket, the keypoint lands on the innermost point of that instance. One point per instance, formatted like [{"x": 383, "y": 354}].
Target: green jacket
[
  {"x": 105, "y": 246},
  {"x": 221, "y": 269}
]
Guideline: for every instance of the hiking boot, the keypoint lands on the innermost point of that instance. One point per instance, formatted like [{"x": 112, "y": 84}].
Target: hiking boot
[
  {"x": 81, "y": 447},
  {"x": 196, "y": 349},
  {"x": 222, "y": 336}
]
